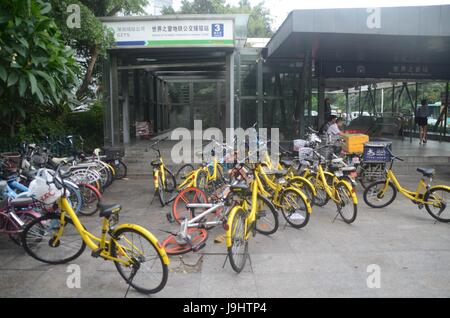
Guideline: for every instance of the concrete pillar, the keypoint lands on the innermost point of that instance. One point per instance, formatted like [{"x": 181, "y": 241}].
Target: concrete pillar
[
  {"x": 321, "y": 102},
  {"x": 125, "y": 108},
  {"x": 229, "y": 111},
  {"x": 260, "y": 87},
  {"x": 114, "y": 86}
]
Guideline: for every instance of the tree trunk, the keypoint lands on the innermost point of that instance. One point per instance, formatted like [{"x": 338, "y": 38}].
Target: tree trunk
[{"x": 88, "y": 76}]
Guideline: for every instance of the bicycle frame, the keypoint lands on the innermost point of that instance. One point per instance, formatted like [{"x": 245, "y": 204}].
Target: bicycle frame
[
  {"x": 192, "y": 223},
  {"x": 412, "y": 195},
  {"x": 95, "y": 243}
]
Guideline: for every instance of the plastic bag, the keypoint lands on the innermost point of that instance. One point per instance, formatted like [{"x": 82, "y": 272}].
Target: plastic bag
[
  {"x": 42, "y": 188},
  {"x": 299, "y": 143}
]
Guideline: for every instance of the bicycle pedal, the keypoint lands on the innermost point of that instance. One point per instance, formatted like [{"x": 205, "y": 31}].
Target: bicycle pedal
[
  {"x": 170, "y": 218},
  {"x": 261, "y": 214},
  {"x": 96, "y": 253},
  {"x": 198, "y": 247}
]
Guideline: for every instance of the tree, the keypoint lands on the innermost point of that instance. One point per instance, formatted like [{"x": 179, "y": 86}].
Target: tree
[
  {"x": 37, "y": 70},
  {"x": 259, "y": 24},
  {"x": 92, "y": 39}
]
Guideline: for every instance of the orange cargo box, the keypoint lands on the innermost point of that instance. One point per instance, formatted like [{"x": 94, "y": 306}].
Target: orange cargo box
[{"x": 354, "y": 143}]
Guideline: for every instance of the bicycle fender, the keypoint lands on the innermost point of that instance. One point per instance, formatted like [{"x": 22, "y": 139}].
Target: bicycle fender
[
  {"x": 152, "y": 238},
  {"x": 304, "y": 197},
  {"x": 440, "y": 187},
  {"x": 229, "y": 223},
  {"x": 309, "y": 183},
  {"x": 351, "y": 189}
]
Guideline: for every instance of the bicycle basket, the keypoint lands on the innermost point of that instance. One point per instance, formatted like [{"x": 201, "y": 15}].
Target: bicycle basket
[
  {"x": 305, "y": 153},
  {"x": 377, "y": 152},
  {"x": 11, "y": 160},
  {"x": 299, "y": 143}
]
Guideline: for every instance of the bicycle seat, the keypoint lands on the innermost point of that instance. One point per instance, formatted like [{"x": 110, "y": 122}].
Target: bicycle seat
[
  {"x": 427, "y": 172},
  {"x": 57, "y": 161},
  {"x": 276, "y": 173},
  {"x": 348, "y": 169},
  {"x": 21, "y": 201},
  {"x": 243, "y": 188},
  {"x": 107, "y": 209},
  {"x": 156, "y": 163},
  {"x": 287, "y": 163}
]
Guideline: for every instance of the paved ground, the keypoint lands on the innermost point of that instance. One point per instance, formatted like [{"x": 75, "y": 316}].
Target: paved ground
[{"x": 325, "y": 259}]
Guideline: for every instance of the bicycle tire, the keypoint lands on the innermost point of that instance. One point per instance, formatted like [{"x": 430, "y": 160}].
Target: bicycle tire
[
  {"x": 297, "y": 182},
  {"x": 369, "y": 189},
  {"x": 260, "y": 228},
  {"x": 188, "y": 195},
  {"x": 345, "y": 192},
  {"x": 172, "y": 247},
  {"x": 27, "y": 242},
  {"x": 238, "y": 223},
  {"x": 321, "y": 199},
  {"x": 16, "y": 238},
  {"x": 132, "y": 280},
  {"x": 183, "y": 172},
  {"x": 442, "y": 206},
  {"x": 303, "y": 207},
  {"x": 91, "y": 197},
  {"x": 121, "y": 170},
  {"x": 161, "y": 192}
]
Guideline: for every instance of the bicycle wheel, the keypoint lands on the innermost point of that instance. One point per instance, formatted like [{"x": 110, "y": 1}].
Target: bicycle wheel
[
  {"x": 369, "y": 173},
  {"x": 189, "y": 195},
  {"x": 183, "y": 172},
  {"x": 25, "y": 217},
  {"x": 161, "y": 192},
  {"x": 374, "y": 197},
  {"x": 171, "y": 182},
  {"x": 294, "y": 208},
  {"x": 346, "y": 207},
  {"x": 91, "y": 197},
  {"x": 266, "y": 216},
  {"x": 75, "y": 197},
  {"x": 238, "y": 250},
  {"x": 306, "y": 188},
  {"x": 201, "y": 181},
  {"x": 121, "y": 169},
  {"x": 321, "y": 199},
  {"x": 173, "y": 246},
  {"x": 40, "y": 239},
  {"x": 148, "y": 273},
  {"x": 438, "y": 199}
]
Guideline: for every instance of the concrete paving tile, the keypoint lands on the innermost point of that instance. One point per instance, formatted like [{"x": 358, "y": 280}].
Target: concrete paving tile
[{"x": 228, "y": 285}]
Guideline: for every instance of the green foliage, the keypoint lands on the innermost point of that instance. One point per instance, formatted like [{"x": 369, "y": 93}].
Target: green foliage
[
  {"x": 92, "y": 39},
  {"x": 37, "y": 70},
  {"x": 88, "y": 124},
  {"x": 37, "y": 128},
  {"x": 259, "y": 24}
]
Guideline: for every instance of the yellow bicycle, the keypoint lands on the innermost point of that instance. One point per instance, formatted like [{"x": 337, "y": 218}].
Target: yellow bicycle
[
  {"x": 242, "y": 222},
  {"x": 330, "y": 187},
  {"x": 58, "y": 238},
  {"x": 291, "y": 200},
  {"x": 435, "y": 199}
]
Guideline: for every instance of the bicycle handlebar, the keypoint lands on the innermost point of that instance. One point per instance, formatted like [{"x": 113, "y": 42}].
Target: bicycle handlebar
[{"x": 394, "y": 156}]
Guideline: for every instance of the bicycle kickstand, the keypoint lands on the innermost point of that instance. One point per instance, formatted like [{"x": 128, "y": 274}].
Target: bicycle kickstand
[
  {"x": 153, "y": 199},
  {"x": 337, "y": 214}
]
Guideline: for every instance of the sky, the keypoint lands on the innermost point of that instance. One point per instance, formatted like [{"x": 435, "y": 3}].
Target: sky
[{"x": 279, "y": 9}]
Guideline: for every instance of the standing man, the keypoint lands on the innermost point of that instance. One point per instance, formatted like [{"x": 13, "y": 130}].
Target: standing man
[{"x": 422, "y": 121}]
